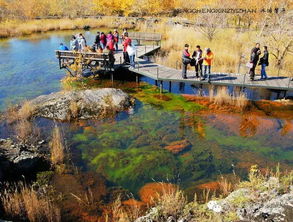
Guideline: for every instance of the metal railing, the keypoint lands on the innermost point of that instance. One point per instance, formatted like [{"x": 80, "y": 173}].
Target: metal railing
[{"x": 145, "y": 36}]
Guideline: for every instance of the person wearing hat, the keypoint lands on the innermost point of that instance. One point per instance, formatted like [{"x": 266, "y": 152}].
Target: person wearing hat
[
  {"x": 185, "y": 60},
  {"x": 207, "y": 64}
]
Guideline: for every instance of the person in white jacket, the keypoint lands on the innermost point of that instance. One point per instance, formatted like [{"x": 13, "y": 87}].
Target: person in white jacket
[
  {"x": 81, "y": 42},
  {"x": 131, "y": 50}
]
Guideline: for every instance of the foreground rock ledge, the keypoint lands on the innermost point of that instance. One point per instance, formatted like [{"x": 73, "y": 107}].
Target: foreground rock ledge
[{"x": 81, "y": 104}]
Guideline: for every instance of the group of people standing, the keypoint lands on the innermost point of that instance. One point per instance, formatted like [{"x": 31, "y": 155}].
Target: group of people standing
[
  {"x": 201, "y": 60},
  {"x": 105, "y": 43},
  {"x": 256, "y": 60}
]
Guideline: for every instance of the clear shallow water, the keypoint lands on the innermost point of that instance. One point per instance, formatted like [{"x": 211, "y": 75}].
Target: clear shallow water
[{"x": 132, "y": 150}]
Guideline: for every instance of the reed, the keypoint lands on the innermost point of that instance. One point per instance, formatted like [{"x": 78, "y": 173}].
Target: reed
[
  {"x": 23, "y": 203},
  {"x": 57, "y": 148},
  {"x": 13, "y": 28},
  {"x": 171, "y": 202},
  {"x": 25, "y": 112},
  {"x": 228, "y": 47},
  {"x": 222, "y": 97}
]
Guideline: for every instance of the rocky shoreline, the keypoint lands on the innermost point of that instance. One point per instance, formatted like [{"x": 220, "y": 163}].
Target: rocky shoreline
[
  {"x": 270, "y": 199},
  {"x": 17, "y": 158}
]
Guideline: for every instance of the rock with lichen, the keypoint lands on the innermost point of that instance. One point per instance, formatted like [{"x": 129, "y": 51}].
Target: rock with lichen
[{"x": 81, "y": 104}]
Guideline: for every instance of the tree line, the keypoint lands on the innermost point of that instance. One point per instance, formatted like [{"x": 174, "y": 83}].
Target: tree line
[{"x": 30, "y": 9}]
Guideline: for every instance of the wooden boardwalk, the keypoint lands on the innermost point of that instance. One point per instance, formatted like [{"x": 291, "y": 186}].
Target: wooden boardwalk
[{"x": 162, "y": 73}]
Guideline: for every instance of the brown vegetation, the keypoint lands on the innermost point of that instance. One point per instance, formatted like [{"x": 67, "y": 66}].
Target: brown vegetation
[
  {"x": 223, "y": 97},
  {"x": 25, "y": 112},
  {"x": 171, "y": 202},
  {"x": 20, "y": 28},
  {"x": 74, "y": 108},
  {"x": 150, "y": 192},
  {"x": 178, "y": 146},
  {"x": 23, "y": 202},
  {"x": 57, "y": 148},
  {"x": 26, "y": 131}
]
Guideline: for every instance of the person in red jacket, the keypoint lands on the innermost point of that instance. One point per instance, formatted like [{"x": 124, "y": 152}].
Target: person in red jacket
[
  {"x": 103, "y": 40},
  {"x": 125, "y": 43},
  {"x": 111, "y": 44}
]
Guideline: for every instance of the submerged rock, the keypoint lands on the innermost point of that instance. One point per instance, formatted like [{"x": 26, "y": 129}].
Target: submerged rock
[
  {"x": 21, "y": 159},
  {"x": 82, "y": 104},
  {"x": 178, "y": 146}
]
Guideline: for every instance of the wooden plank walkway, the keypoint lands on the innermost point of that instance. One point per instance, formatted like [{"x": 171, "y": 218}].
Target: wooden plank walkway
[{"x": 162, "y": 73}]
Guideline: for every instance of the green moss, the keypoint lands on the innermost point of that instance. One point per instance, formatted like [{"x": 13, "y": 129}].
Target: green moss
[
  {"x": 133, "y": 167},
  {"x": 168, "y": 101}
]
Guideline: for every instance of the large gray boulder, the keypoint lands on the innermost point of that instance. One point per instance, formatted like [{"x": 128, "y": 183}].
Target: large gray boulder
[{"x": 81, "y": 104}]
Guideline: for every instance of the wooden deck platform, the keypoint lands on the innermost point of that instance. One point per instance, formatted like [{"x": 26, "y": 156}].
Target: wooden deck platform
[
  {"x": 167, "y": 74},
  {"x": 162, "y": 73}
]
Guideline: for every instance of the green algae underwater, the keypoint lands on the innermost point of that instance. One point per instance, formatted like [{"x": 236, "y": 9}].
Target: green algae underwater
[{"x": 166, "y": 139}]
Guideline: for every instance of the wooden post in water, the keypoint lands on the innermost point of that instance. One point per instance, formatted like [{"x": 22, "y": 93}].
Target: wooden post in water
[
  {"x": 137, "y": 78},
  {"x": 289, "y": 81},
  {"x": 157, "y": 72}
]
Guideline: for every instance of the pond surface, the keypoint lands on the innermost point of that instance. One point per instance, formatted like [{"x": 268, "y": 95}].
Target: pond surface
[{"x": 150, "y": 143}]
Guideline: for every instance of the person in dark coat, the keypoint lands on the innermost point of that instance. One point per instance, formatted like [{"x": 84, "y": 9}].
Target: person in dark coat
[
  {"x": 185, "y": 60},
  {"x": 197, "y": 56},
  {"x": 254, "y": 57},
  {"x": 264, "y": 62},
  {"x": 97, "y": 40}
]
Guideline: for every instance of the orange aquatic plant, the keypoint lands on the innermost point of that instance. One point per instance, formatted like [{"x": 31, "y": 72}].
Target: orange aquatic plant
[
  {"x": 150, "y": 192},
  {"x": 178, "y": 146}
]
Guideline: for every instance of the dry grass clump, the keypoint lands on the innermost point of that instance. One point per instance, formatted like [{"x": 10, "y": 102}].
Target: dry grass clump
[
  {"x": 74, "y": 108},
  {"x": 11, "y": 114},
  {"x": 25, "y": 112},
  {"x": 24, "y": 203},
  {"x": 26, "y": 131},
  {"x": 171, "y": 202},
  {"x": 120, "y": 212},
  {"x": 241, "y": 100},
  {"x": 57, "y": 148},
  {"x": 222, "y": 97}
]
